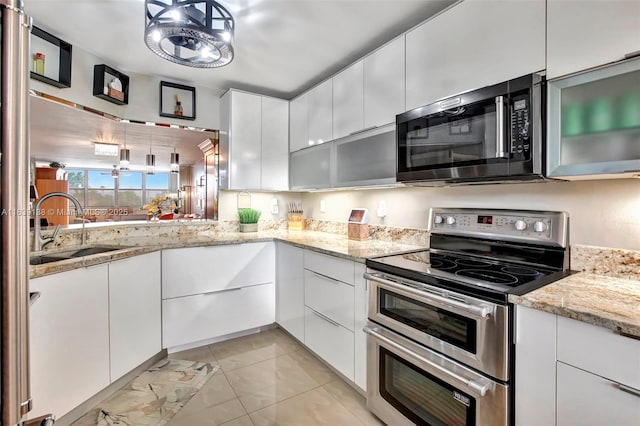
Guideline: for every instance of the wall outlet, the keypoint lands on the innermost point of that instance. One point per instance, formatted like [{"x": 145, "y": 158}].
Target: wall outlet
[
  {"x": 274, "y": 206},
  {"x": 323, "y": 206},
  {"x": 382, "y": 208}
]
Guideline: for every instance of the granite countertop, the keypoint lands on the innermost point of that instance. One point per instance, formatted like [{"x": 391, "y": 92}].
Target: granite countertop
[
  {"x": 328, "y": 243},
  {"x": 600, "y": 300}
]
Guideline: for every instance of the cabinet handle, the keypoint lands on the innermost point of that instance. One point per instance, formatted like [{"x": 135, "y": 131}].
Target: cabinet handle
[
  {"x": 362, "y": 130},
  {"x": 221, "y": 291},
  {"x": 329, "y": 320},
  {"x": 33, "y": 296},
  {"x": 628, "y": 389},
  {"x": 324, "y": 276}
]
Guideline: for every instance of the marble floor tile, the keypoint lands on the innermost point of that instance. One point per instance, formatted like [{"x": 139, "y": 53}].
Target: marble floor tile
[
  {"x": 200, "y": 354},
  {"x": 216, "y": 391},
  {"x": 270, "y": 381},
  {"x": 248, "y": 350},
  {"x": 352, "y": 401},
  {"x": 240, "y": 421},
  {"x": 209, "y": 416},
  {"x": 313, "y": 367},
  {"x": 316, "y": 407}
]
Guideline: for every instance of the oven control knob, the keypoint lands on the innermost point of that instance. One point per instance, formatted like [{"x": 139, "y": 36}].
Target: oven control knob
[
  {"x": 451, "y": 220},
  {"x": 540, "y": 226},
  {"x": 521, "y": 225},
  {"x": 438, "y": 220}
]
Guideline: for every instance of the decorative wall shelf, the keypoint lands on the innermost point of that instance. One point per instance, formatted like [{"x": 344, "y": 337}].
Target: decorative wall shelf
[
  {"x": 106, "y": 86},
  {"x": 177, "y": 101},
  {"x": 56, "y": 69}
]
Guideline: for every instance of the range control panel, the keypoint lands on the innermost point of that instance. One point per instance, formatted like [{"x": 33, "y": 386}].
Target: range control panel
[{"x": 512, "y": 225}]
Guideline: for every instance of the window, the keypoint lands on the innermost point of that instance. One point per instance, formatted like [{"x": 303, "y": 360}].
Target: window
[
  {"x": 100, "y": 189},
  {"x": 97, "y": 188},
  {"x": 77, "y": 184},
  {"x": 129, "y": 192},
  {"x": 156, "y": 185}
]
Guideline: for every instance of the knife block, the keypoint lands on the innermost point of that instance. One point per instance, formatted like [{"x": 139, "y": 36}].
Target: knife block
[
  {"x": 296, "y": 222},
  {"x": 358, "y": 231}
]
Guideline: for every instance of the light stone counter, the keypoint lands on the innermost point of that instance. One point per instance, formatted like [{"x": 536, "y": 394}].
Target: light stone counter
[
  {"x": 328, "y": 243},
  {"x": 605, "y": 293}
]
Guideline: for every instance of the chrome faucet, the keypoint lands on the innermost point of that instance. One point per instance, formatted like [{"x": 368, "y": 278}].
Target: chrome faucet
[{"x": 39, "y": 241}]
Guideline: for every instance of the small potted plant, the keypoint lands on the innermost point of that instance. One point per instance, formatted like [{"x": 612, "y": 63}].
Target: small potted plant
[
  {"x": 60, "y": 175},
  {"x": 248, "y": 220}
]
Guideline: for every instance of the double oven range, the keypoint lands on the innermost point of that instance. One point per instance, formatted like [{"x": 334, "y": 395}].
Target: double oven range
[{"x": 440, "y": 344}]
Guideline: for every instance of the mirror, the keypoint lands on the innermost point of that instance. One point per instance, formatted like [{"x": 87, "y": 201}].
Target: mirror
[{"x": 67, "y": 133}]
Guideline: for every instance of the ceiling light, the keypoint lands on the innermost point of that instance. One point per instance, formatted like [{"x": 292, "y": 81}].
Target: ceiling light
[
  {"x": 125, "y": 156},
  {"x": 151, "y": 164},
  {"x": 195, "y": 33},
  {"x": 174, "y": 164},
  {"x": 107, "y": 149}
]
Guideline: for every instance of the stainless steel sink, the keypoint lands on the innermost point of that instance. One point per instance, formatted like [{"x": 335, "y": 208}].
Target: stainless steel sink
[{"x": 70, "y": 254}]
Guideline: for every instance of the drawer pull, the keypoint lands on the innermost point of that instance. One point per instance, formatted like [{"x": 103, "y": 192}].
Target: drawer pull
[
  {"x": 625, "y": 334},
  {"x": 628, "y": 389},
  {"x": 329, "y": 320},
  {"x": 222, "y": 291},
  {"x": 333, "y": 280},
  {"x": 33, "y": 296}
]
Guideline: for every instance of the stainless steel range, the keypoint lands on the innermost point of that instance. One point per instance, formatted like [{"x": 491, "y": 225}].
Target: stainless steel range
[{"x": 440, "y": 337}]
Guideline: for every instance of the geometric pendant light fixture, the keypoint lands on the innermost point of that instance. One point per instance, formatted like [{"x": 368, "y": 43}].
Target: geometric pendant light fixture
[
  {"x": 195, "y": 33},
  {"x": 151, "y": 159},
  {"x": 174, "y": 164}
]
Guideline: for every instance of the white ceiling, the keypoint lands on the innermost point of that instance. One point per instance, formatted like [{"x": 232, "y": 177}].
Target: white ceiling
[
  {"x": 282, "y": 47},
  {"x": 67, "y": 135}
]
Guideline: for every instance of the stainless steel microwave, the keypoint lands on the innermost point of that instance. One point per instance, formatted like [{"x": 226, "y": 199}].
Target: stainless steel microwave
[{"x": 481, "y": 136}]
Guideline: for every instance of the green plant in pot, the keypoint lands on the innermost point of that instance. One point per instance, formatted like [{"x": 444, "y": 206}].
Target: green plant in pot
[{"x": 248, "y": 220}]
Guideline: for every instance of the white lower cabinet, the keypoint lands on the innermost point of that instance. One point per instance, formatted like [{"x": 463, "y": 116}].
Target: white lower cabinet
[
  {"x": 290, "y": 289},
  {"x": 330, "y": 297},
  {"x": 360, "y": 312},
  {"x": 69, "y": 339},
  {"x": 586, "y": 399},
  {"x": 329, "y": 340},
  {"x": 204, "y": 316},
  {"x": 570, "y": 373},
  {"x": 134, "y": 312}
]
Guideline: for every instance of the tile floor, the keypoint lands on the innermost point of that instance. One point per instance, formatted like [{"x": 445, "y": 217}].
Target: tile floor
[{"x": 269, "y": 379}]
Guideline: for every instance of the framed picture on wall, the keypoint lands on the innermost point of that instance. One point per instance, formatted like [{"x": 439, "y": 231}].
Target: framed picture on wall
[{"x": 177, "y": 101}]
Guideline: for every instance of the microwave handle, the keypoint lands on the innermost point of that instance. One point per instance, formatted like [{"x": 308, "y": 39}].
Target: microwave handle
[{"x": 500, "y": 139}]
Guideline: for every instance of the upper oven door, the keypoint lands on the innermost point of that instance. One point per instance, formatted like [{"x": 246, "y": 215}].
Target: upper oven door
[
  {"x": 480, "y": 134},
  {"x": 472, "y": 331}
]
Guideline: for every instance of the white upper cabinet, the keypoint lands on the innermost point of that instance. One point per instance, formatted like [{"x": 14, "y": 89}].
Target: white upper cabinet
[
  {"x": 254, "y": 142},
  {"x": 384, "y": 84},
  {"x": 299, "y": 123},
  {"x": 348, "y": 101},
  {"x": 275, "y": 150},
  {"x": 584, "y": 34},
  {"x": 474, "y": 44},
  {"x": 320, "y": 119}
]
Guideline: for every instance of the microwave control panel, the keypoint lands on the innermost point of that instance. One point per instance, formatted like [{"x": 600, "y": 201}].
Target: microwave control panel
[{"x": 520, "y": 127}]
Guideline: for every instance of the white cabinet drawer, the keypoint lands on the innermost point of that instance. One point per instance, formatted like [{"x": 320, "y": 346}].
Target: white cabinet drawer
[
  {"x": 195, "y": 270},
  {"x": 330, "y": 266},
  {"x": 331, "y": 298},
  {"x": 600, "y": 351},
  {"x": 588, "y": 400},
  {"x": 330, "y": 341},
  {"x": 204, "y": 316}
]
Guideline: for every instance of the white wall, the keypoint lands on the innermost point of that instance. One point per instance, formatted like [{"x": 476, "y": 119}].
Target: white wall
[
  {"x": 602, "y": 213},
  {"x": 228, "y": 204},
  {"x": 144, "y": 94}
]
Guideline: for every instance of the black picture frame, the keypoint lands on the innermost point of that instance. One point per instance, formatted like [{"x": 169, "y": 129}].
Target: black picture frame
[
  {"x": 64, "y": 59},
  {"x": 102, "y": 75},
  {"x": 185, "y": 94}
]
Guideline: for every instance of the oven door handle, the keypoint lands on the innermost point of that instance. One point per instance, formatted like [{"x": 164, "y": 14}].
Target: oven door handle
[
  {"x": 473, "y": 385},
  {"x": 475, "y": 310}
]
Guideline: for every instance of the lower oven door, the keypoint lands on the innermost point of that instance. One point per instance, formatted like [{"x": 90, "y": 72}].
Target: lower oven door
[
  {"x": 409, "y": 384},
  {"x": 469, "y": 330}
]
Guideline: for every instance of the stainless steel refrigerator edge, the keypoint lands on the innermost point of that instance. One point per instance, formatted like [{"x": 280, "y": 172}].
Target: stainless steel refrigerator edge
[{"x": 14, "y": 194}]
